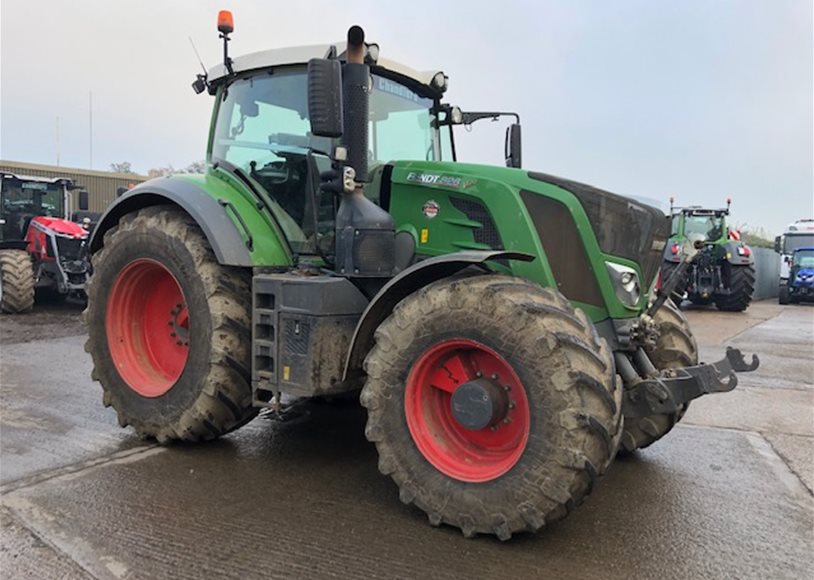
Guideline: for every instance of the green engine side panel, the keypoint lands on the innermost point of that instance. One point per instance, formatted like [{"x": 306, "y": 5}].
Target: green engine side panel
[
  {"x": 269, "y": 247},
  {"x": 417, "y": 187}
]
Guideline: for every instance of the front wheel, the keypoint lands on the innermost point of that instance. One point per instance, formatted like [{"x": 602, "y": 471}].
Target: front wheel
[
  {"x": 675, "y": 348},
  {"x": 492, "y": 403},
  {"x": 169, "y": 329},
  {"x": 784, "y": 296},
  {"x": 16, "y": 282}
]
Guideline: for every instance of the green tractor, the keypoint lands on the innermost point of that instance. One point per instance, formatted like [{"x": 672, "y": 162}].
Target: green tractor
[
  {"x": 722, "y": 271},
  {"x": 495, "y": 321}
]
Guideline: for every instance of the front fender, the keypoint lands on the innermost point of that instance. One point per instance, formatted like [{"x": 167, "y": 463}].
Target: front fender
[
  {"x": 405, "y": 283},
  {"x": 231, "y": 223}
]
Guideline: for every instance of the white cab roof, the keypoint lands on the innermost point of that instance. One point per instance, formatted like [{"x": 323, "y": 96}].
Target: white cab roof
[{"x": 301, "y": 55}]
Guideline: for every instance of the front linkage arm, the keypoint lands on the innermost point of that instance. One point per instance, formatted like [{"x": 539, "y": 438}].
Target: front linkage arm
[{"x": 672, "y": 388}]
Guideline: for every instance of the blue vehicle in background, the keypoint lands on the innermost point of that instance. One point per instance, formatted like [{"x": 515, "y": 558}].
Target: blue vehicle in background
[{"x": 800, "y": 285}]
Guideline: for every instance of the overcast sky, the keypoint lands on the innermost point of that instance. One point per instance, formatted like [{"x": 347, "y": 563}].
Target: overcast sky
[{"x": 700, "y": 99}]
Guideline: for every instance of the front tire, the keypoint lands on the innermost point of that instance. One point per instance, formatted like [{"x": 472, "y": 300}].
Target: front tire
[
  {"x": 169, "y": 329},
  {"x": 16, "y": 282},
  {"x": 561, "y": 418},
  {"x": 784, "y": 296},
  {"x": 675, "y": 348}
]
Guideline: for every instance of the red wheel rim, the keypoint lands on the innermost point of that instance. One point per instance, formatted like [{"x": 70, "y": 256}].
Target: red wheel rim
[
  {"x": 466, "y": 455},
  {"x": 147, "y": 327}
]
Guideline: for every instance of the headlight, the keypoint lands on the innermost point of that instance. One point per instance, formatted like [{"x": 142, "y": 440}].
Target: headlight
[
  {"x": 625, "y": 284},
  {"x": 440, "y": 81}
]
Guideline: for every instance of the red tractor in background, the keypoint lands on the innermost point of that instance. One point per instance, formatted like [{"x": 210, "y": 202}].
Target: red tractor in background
[{"x": 41, "y": 251}]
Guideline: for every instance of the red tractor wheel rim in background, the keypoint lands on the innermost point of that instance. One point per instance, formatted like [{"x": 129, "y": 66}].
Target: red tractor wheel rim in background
[
  {"x": 147, "y": 327},
  {"x": 465, "y": 454}
]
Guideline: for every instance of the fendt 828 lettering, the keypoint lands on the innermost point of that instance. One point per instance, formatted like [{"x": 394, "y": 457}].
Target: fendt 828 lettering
[{"x": 496, "y": 322}]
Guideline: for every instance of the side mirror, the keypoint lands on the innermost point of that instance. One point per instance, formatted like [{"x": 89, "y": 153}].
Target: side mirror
[
  {"x": 83, "y": 200},
  {"x": 325, "y": 97},
  {"x": 777, "y": 244},
  {"x": 513, "y": 146}
]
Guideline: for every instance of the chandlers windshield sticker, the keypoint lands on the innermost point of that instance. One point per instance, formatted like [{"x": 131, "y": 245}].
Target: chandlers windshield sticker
[{"x": 399, "y": 90}]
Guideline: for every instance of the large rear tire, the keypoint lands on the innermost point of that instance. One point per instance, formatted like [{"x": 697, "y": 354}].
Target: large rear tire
[
  {"x": 676, "y": 348},
  {"x": 169, "y": 329},
  {"x": 560, "y": 425},
  {"x": 741, "y": 287},
  {"x": 16, "y": 282}
]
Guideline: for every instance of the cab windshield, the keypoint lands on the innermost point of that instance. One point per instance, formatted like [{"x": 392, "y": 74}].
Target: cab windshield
[
  {"x": 711, "y": 227},
  {"x": 804, "y": 259},
  {"x": 263, "y": 129},
  {"x": 21, "y": 200}
]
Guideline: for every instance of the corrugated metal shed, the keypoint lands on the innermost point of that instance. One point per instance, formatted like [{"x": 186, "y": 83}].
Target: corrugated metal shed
[{"x": 100, "y": 185}]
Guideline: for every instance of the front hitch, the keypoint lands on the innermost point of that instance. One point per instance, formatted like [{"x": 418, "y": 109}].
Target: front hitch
[{"x": 673, "y": 388}]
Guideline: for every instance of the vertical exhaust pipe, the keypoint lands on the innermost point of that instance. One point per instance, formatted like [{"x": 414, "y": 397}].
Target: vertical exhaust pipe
[
  {"x": 355, "y": 79},
  {"x": 365, "y": 233}
]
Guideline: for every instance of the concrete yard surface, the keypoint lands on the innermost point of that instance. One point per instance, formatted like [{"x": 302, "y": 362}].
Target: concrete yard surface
[{"x": 727, "y": 494}]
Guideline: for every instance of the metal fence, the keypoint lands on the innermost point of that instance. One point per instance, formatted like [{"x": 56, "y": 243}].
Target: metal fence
[{"x": 767, "y": 273}]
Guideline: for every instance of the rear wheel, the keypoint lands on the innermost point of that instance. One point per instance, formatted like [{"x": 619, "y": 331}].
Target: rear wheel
[
  {"x": 169, "y": 329},
  {"x": 16, "y": 282},
  {"x": 676, "y": 348},
  {"x": 741, "y": 286},
  {"x": 492, "y": 403}
]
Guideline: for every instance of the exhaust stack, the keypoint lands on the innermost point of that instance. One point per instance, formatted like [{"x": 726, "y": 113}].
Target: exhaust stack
[
  {"x": 355, "y": 86},
  {"x": 365, "y": 233}
]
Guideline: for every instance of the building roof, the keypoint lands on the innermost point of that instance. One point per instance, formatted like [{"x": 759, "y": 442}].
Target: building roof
[
  {"x": 23, "y": 166},
  {"x": 300, "y": 55}
]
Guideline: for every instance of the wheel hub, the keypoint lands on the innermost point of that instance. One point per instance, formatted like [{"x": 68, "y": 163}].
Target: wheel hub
[
  {"x": 479, "y": 404},
  {"x": 467, "y": 410}
]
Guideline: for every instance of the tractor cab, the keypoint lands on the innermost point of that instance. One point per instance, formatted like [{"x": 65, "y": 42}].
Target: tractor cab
[
  {"x": 23, "y": 198},
  {"x": 708, "y": 224}
]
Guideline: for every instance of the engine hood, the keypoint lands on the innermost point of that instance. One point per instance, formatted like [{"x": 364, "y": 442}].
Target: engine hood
[{"x": 60, "y": 226}]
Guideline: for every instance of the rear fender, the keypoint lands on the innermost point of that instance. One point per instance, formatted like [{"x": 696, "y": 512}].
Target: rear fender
[
  {"x": 237, "y": 233},
  {"x": 735, "y": 254},
  {"x": 410, "y": 280}
]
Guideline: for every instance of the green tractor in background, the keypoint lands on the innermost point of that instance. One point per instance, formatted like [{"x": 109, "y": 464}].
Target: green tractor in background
[
  {"x": 722, "y": 272},
  {"x": 497, "y": 321}
]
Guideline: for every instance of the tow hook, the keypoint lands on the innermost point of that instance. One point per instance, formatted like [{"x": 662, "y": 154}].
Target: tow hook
[{"x": 673, "y": 388}]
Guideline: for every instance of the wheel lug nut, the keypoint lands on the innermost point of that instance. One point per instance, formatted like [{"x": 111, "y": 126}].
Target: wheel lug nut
[
  {"x": 178, "y": 342},
  {"x": 512, "y": 404},
  {"x": 494, "y": 376},
  {"x": 507, "y": 388},
  {"x": 507, "y": 420},
  {"x": 479, "y": 374},
  {"x": 172, "y": 334}
]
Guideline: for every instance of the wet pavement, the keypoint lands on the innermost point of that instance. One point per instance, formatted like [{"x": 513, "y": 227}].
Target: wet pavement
[{"x": 728, "y": 494}]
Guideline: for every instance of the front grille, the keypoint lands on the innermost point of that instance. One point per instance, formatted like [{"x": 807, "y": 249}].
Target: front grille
[
  {"x": 69, "y": 248},
  {"x": 487, "y": 233},
  {"x": 623, "y": 227}
]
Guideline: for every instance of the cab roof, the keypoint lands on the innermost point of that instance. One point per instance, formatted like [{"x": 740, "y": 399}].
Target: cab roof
[{"x": 300, "y": 55}]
